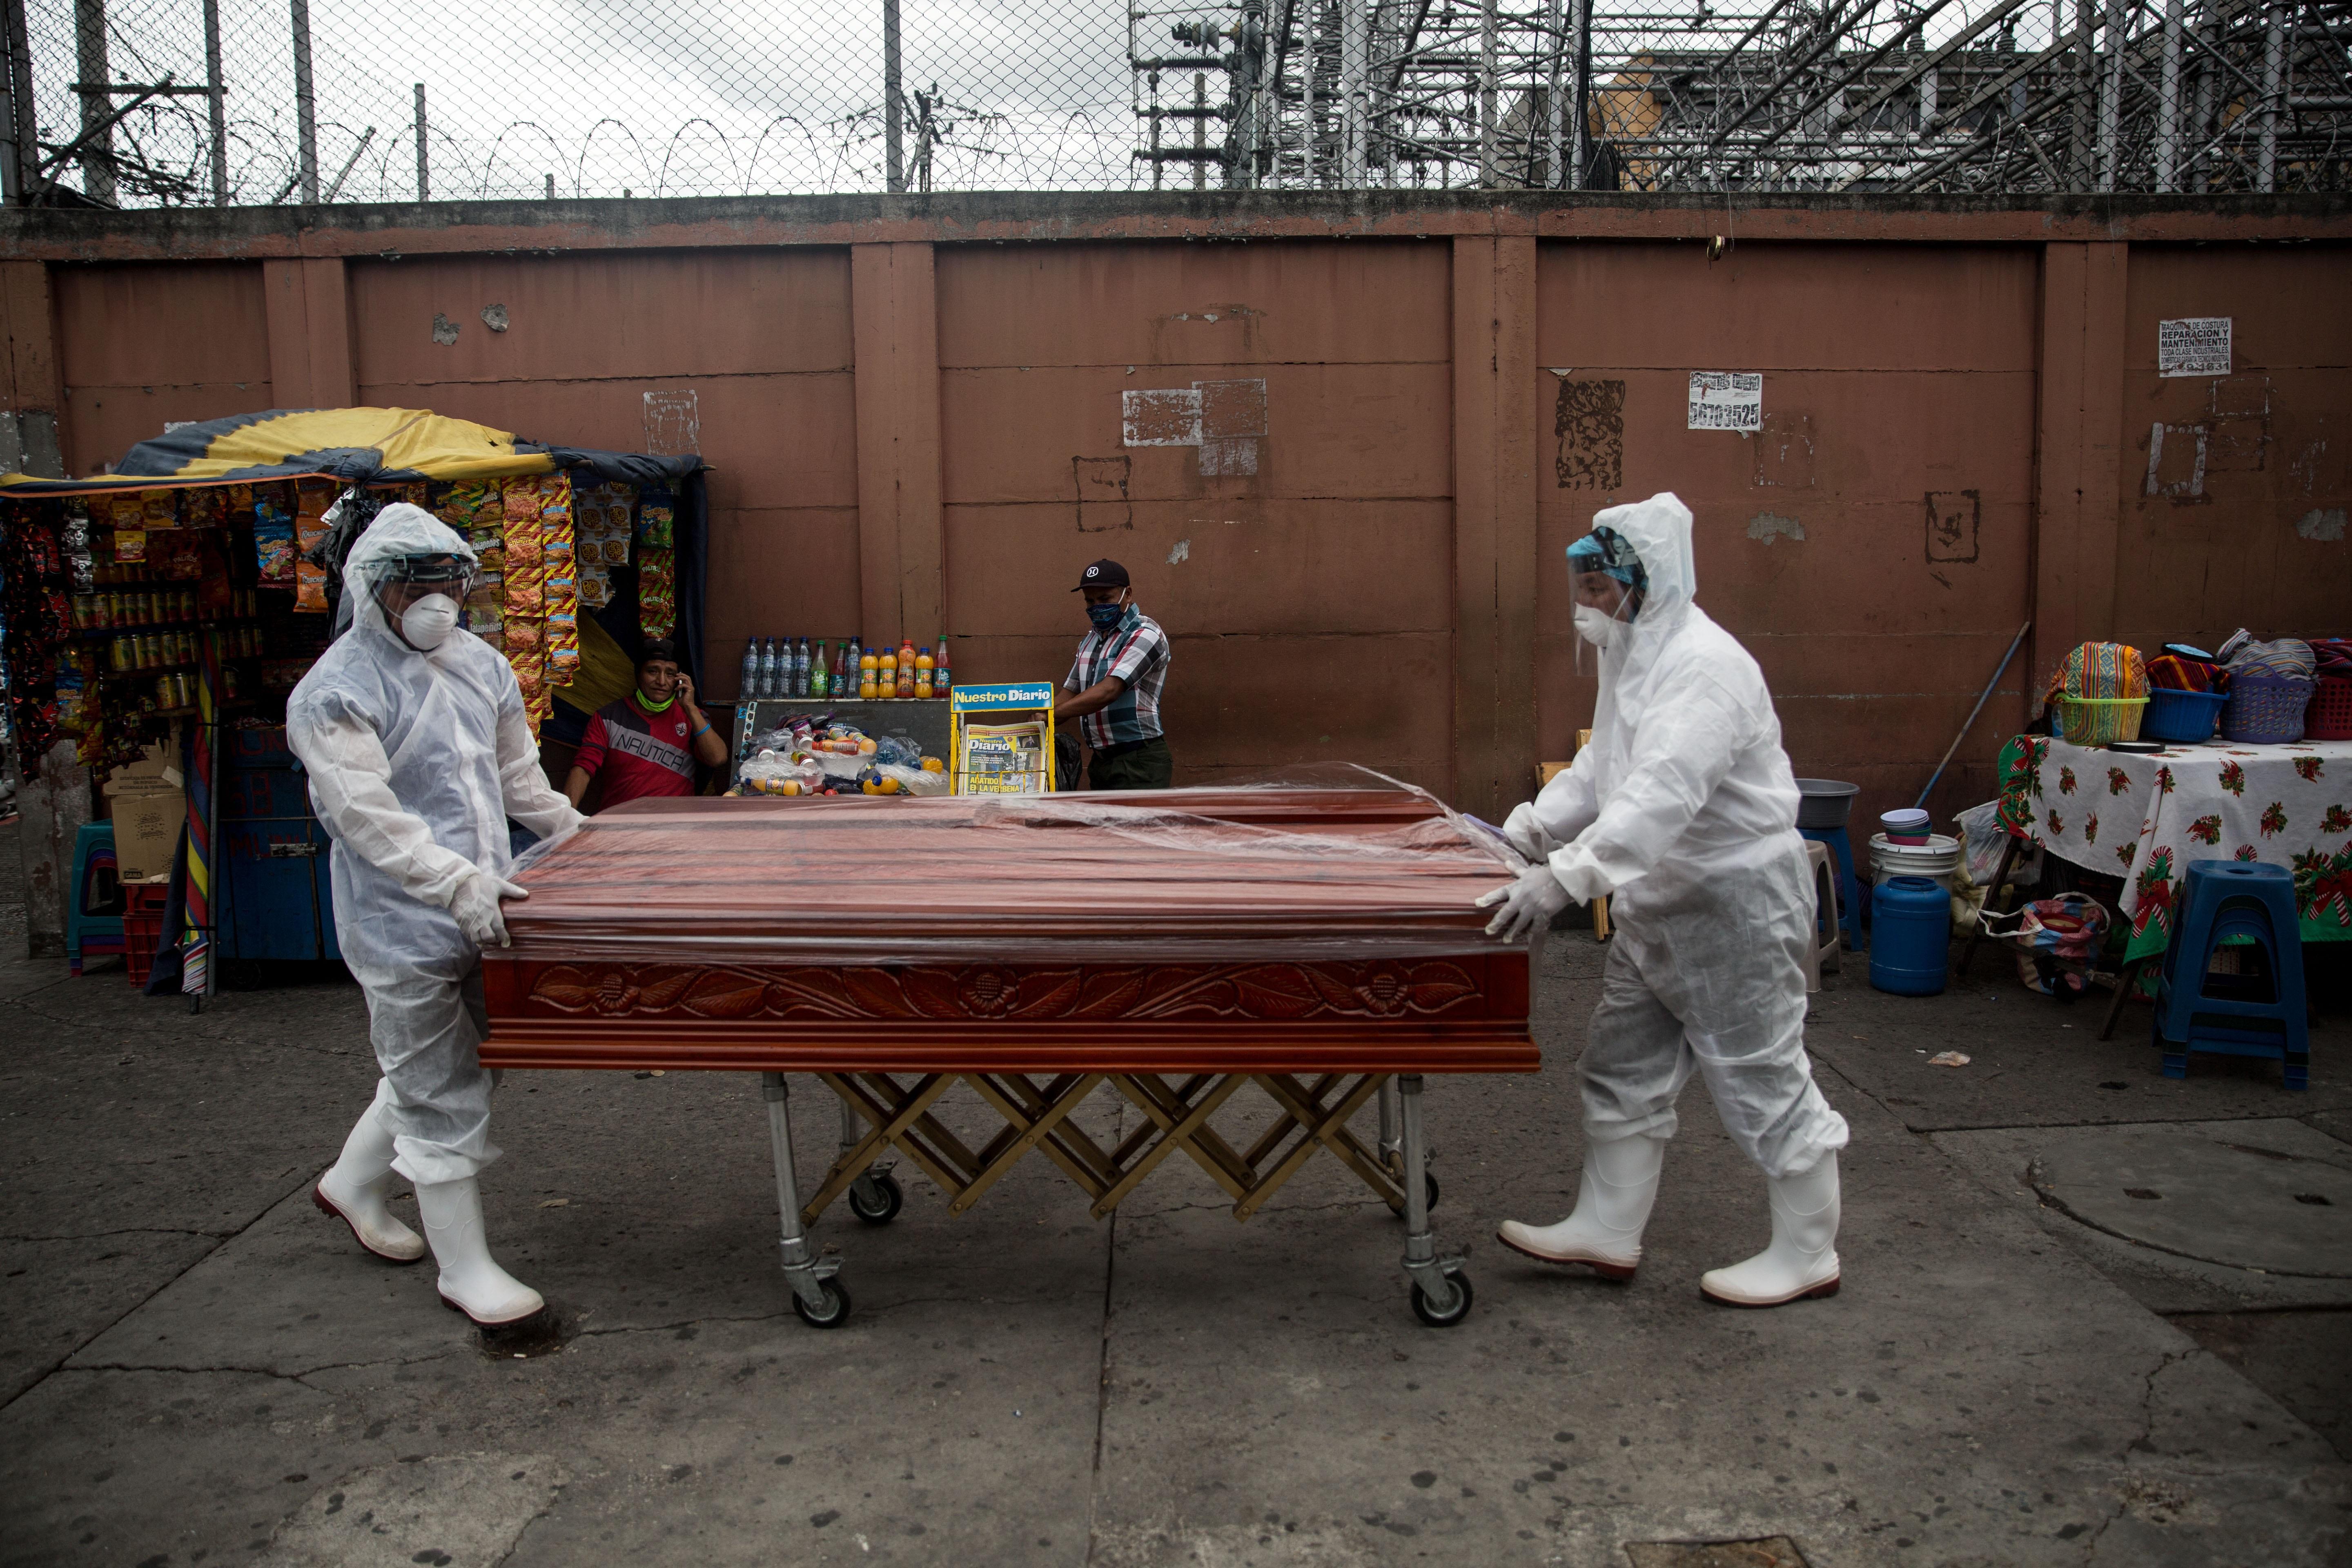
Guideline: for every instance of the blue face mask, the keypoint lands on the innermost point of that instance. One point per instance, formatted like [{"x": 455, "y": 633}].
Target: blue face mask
[{"x": 1105, "y": 616}]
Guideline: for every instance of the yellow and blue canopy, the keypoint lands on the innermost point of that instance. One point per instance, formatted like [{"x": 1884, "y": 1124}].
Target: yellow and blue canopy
[{"x": 369, "y": 445}]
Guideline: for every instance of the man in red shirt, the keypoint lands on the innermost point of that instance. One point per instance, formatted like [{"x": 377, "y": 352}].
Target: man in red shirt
[{"x": 648, "y": 741}]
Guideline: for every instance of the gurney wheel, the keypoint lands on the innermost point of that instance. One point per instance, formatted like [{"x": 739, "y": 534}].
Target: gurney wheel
[
  {"x": 893, "y": 1197},
  {"x": 1429, "y": 1185},
  {"x": 837, "y": 1300},
  {"x": 1421, "y": 1309}
]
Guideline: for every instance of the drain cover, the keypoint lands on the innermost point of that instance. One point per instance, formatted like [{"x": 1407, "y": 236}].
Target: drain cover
[{"x": 1771, "y": 1552}]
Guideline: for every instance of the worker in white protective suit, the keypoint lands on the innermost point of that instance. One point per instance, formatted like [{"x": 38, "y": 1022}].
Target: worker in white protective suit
[
  {"x": 1682, "y": 810},
  {"x": 414, "y": 736}
]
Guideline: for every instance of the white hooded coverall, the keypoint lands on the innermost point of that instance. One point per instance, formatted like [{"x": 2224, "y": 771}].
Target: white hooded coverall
[
  {"x": 416, "y": 763},
  {"x": 1684, "y": 808}
]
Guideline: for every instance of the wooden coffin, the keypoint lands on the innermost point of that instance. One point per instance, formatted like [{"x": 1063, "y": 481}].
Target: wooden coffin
[{"x": 1185, "y": 931}]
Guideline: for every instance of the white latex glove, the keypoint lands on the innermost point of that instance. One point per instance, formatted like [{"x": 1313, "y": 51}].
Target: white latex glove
[
  {"x": 477, "y": 908},
  {"x": 1526, "y": 833},
  {"x": 1528, "y": 904}
]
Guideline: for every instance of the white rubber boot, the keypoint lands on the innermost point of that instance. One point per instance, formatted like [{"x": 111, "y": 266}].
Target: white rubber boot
[
  {"x": 470, "y": 1282},
  {"x": 355, "y": 1187},
  {"x": 1803, "y": 1259},
  {"x": 1612, "y": 1206}
]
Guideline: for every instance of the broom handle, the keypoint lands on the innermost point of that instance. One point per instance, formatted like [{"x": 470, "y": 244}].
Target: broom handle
[{"x": 2015, "y": 642}]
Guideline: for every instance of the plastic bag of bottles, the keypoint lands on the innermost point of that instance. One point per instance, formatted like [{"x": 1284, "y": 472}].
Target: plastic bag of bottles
[
  {"x": 896, "y": 750},
  {"x": 774, "y": 774}
]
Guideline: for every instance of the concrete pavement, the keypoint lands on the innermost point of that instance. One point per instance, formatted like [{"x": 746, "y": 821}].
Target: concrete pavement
[{"x": 199, "y": 1368}]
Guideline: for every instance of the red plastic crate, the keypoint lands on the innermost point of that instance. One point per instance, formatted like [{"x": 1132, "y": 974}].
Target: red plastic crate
[
  {"x": 144, "y": 904},
  {"x": 2329, "y": 717}
]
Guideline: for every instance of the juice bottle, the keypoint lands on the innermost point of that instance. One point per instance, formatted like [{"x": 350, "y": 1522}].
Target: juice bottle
[
  {"x": 886, "y": 678},
  {"x": 906, "y": 667},
  {"x": 923, "y": 668},
  {"x": 868, "y": 672}
]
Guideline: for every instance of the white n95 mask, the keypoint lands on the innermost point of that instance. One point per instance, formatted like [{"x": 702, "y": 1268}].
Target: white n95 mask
[
  {"x": 427, "y": 623},
  {"x": 1596, "y": 625}
]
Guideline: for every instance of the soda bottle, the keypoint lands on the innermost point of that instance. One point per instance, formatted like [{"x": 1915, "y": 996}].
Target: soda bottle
[
  {"x": 821, "y": 674},
  {"x": 923, "y": 668},
  {"x": 747, "y": 685},
  {"x": 942, "y": 682}
]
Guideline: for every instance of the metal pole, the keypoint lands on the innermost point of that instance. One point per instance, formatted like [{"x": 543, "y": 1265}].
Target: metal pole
[
  {"x": 2273, "y": 93},
  {"x": 1490, "y": 43},
  {"x": 1555, "y": 112},
  {"x": 1579, "y": 159},
  {"x": 89, "y": 50},
  {"x": 215, "y": 102},
  {"x": 424, "y": 151},
  {"x": 23, "y": 131},
  {"x": 2111, "y": 96},
  {"x": 894, "y": 108},
  {"x": 1355, "y": 69},
  {"x": 1309, "y": 16},
  {"x": 305, "y": 106},
  {"x": 2167, "y": 103},
  {"x": 1158, "y": 162},
  {"x": 2200, "y": 121},
  {"x": 2079, "y": 173},
  {"x": 1199, "y": 130}
]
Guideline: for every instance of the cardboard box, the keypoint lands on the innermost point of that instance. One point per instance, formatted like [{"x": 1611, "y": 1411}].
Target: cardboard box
[{"x": 150, "y": 807}]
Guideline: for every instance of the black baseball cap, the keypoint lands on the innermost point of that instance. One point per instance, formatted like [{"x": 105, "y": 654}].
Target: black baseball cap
[
  {"x": 1104, "y": 574},
  {"x": 661, "y": 649}
]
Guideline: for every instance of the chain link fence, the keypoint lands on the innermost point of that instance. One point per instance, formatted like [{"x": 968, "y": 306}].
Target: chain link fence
[{"x": 242, "y": 102}]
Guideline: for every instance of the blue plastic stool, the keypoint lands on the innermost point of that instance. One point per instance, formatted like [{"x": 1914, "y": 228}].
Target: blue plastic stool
[
  {"x": 2198, "y": 1011},
  {"x": 1849, "y": 890},
  {"x": 88, "y": 933}
]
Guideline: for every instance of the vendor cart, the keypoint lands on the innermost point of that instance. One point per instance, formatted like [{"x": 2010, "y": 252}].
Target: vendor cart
[{"x": 1317, "y": 945}]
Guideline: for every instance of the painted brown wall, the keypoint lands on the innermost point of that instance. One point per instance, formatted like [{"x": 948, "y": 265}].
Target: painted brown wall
[{"x": 914, "y": 418}]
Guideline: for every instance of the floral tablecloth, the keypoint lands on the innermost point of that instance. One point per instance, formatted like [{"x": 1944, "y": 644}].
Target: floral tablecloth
[{"x": 2146, "y": 816}]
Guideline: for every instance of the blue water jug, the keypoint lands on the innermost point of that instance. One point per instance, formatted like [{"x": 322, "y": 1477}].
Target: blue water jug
[{"x": 1910, "y": 935}]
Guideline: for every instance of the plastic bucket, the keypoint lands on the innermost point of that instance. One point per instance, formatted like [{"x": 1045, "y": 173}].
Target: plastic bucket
[
  {"x": 1824, "y": 803},
  {"x": 1910, "y": 936},
  {"x": 1904, "y": 824},
  {"x": 1937, "y": 860}
]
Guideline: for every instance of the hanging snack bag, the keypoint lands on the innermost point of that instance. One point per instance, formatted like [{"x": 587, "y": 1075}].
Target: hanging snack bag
[
  {"x": 129, "y": 544},
  {"x": 273, "y": 536},
  {"x": 595, "y": 587},
  {"x": 126, "y": 511},
  {"x": 656, "y": 594},
  {"x": 160, "y": 509},
  {"x": 654, "y": 512},
  {"x": 207, "y": 508}
]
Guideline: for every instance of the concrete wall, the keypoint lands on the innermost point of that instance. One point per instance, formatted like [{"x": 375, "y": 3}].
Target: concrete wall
[{"x": 915, "y": 409}]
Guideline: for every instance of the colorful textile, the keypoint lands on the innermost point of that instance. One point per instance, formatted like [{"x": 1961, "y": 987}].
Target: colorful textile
[
  {"x": 2170, "y": 672},
  {"x": 2146, "y": 816},
  {"x": 2283, "y": 658},
  {"x": 2332, "y": 656},
  {"x": 2099, "y": 671}
]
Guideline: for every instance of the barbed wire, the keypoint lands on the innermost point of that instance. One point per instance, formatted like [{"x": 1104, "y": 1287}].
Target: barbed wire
[{"x": 185, "y": 102}]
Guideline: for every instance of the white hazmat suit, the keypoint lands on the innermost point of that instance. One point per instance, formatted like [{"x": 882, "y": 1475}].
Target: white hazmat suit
[
  {"x": 418, "y": 750},
  {"x": 1683, "y": 810}
]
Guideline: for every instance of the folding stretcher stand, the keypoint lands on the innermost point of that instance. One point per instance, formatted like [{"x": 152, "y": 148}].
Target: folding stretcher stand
[{"x": 1317, "y": 945}]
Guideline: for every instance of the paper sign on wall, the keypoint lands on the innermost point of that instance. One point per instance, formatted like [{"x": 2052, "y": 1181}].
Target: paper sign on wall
[
  {"x": 1726, "y": 400},
  {"x": 2194, "y": 345}
]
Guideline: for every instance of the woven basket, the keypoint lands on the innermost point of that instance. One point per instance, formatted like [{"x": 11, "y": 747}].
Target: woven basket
[
  {"x": 2329, "y": 717},
  {"x": 2266, "y": 710},
  {"x": 2096, "y": 721}
]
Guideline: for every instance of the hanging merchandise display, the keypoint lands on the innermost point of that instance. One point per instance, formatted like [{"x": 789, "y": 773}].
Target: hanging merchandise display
[
  {"x": 656, "y": 564},
  {"x": 38, "y": 620}
]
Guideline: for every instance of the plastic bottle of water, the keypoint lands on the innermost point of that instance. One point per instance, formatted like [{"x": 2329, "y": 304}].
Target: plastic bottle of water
[
  {"x": 747, "y": 685},
  {"x": 821, "y": 672},
  {"x": 770, "y": 671},
  {"x": 800, "y": 657}
]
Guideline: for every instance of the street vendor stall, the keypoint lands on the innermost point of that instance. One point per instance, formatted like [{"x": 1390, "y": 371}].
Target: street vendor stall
[
  {"x": 2145, "y": 815},
  {"x": 161, "y": 614},
  {"x": 1318, "y": 944}
]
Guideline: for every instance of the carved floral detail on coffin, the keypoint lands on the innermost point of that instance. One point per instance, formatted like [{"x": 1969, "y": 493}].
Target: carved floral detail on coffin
[{"x": 1379, "y": 989}]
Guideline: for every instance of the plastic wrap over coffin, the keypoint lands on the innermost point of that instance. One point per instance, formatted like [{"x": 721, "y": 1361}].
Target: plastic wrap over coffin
[{"x": 1299, "y": 927}]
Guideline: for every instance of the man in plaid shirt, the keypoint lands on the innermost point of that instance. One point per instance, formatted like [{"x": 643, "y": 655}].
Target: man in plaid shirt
[{"x": 1113, "y": 689}]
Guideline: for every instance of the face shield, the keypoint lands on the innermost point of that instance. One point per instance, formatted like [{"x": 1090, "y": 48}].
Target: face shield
[
  {"x": 1608, "y": 585},
  {"x": 408, "y": 574}
]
